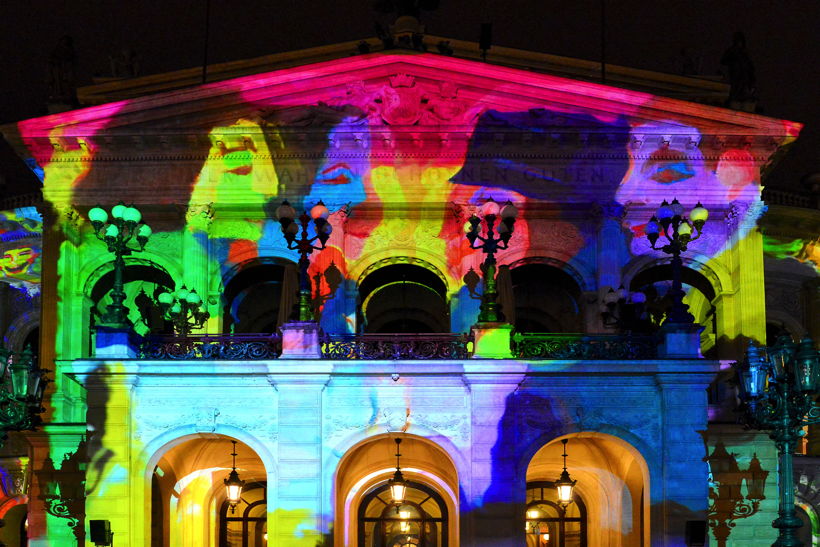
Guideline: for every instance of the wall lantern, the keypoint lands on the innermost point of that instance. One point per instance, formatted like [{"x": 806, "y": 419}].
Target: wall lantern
[
  {"x": 233, "y": 484},
  {"x": 565, "y": 484},
  {"x": 398, "y": 486}
]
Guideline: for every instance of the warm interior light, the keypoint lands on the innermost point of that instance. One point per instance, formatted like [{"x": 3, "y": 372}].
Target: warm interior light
[
  {"x": 233, "y": 484},
  {"x": 532, "y": 514},
  {"x": 397, "y": 485},
  {"x": 564, "y": 484}
]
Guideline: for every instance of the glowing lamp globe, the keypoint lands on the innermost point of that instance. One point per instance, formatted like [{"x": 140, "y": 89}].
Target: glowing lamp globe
[
  {"x": 112, "y": 231},
  {"x": 98, "y": 215},
  {"x": 193, "y": 298},
  {"x": 285, "y": 211},
  {"x": 807, "y": 367},
  {"x": 176, "y": 308},
  {"x": 664, "y": 211},
  {"x": 182, "y": 293},
  {"x": 532, "y": 514},
  {"x": 118, "y": 210},
  {"x": 131, "y": 214},
  {"x": 699, "y": 214},
  {"x": 685, "y": 230},
  {"x": 545, "y": 536},
  {"x": 165, "y": 298},
  {"x": 144, "y": 231},
  {"x": 509, "y": 210},
  {"x": 490, "y": 207},
  {"x": 319, "y": 211},
  {"x": 677, "y": 207}
]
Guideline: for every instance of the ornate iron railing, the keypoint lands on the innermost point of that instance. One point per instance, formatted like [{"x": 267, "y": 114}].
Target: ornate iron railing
[
  {"x": 395, "y": 346},
  {"x": 251, "y": 347},
  {"x": 584, "y": 346}
]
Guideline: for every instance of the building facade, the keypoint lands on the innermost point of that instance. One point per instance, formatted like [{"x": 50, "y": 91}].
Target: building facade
[{"x": 404, "y": 149}]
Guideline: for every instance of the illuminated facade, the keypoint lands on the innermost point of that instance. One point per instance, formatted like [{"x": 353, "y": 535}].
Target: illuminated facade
[{"x": 402, "y": 149}]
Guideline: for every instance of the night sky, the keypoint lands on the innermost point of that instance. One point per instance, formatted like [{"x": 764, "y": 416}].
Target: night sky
[{"x": 781, "y": 35}]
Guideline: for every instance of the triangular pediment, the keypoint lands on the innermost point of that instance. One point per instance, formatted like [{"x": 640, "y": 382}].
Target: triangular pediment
[{"x": 401, "y": 89}]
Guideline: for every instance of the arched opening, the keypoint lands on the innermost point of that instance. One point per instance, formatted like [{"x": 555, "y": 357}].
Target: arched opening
[
  {"x": 551, "y": 524},
  {"x": 611, "y": 490},
  {"x": 420, "y": 521},
  {"x": 142, "y": 283},
  {"x": 403, "y": 298},
  {"x": 188, "y": 498},
  {"x": 656, "y": 283},
  {"x": 546, "y": 300},
  {"x": 365, "y": 515},
  {"x": 260, "y": 297}
]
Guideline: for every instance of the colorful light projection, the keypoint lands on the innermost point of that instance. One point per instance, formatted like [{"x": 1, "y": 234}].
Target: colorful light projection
[
  {"x": 399, "y": 152},
  {"x": 20, "y": 248}
]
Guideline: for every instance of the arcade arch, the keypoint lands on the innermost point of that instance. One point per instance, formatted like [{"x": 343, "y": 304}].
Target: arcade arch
[
  {"x": 361, "y": 498},
  {"x": 613, "y": 487},
  {"x": 188, "y": 495},
  {"x": 259, "y": 295},
  {"x": 547, "y": 299}
]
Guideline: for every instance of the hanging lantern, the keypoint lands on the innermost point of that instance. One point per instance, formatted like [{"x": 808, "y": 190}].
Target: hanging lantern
[
  {"x": 565, "y": 484},
  {"x": 398, "y": 486},
  {"x": 233, "y": 484}
]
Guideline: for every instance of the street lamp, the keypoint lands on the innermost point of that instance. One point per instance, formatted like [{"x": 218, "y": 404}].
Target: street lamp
[
  {"x": 183, "y": 309},
  {"x": 678, "y": 231},
  {"x": 22, "y": 386},
  {"x": 490, "y": 244},
  {"x": 624, "y": 309},
  {"x": 304, "y": 245},
  {"x": 776, "y": 393},
  {"x": 565, "y": 484},
  {"x": 397, "y": 485},
  {"x": 125, "y": 224},
  {"x": 233, "y": 484}
]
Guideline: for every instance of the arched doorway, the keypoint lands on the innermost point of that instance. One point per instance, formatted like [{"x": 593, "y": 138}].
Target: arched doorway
[
  {"x": 546, "y": 300},
  {"x": 549, "y": 523},
  {"x": 403, "y": 298},
  {"x": 611, "y": 492},
  {"x": 365, "y": 515},
  {"x": 421, "y": 521},
  {"x": 188, "y": 498}
]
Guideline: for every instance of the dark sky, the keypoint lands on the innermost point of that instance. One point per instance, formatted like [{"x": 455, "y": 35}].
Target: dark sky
[{"x": 781, "y": 35}]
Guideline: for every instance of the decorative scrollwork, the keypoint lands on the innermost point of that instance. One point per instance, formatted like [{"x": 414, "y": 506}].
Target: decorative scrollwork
[
  {"x": 584, "y": 346},
  {"x": 395, "y": 346},
  {"x": 249, "y": 347}
]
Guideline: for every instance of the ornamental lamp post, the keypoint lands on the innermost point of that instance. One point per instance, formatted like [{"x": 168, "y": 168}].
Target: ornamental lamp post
[
  {"x": 397, "y": 485},
  {"x": 124, "y": 225},
  {"x": 670, "y": 222},
  {"x": 777, "y": 392},
  {"x": 22, "y": 387},
  {"x": 565, "y": 484},
  {"x": 489, "y": 245},
  {"x": 304, "y": 246},
  {"x": 184, "y": 309},
  {"x": 233, "y": 484}
]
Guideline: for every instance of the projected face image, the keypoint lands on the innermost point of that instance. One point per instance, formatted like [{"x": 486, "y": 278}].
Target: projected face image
[{"x": 16, "y": 262}]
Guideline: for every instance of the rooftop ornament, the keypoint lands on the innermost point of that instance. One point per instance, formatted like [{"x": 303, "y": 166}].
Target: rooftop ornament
[
  {"x": 678, "y": 231},
  {"x": 490, "y": 244},
  {"x": 295, "y": 230},
  {"x": 124, "y": 225}
]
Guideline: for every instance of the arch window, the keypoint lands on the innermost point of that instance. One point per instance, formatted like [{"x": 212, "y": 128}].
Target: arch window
[
  {"x": 246, "y": 526},
  {"x": 403, "y": 298},
  {"x": 421, "y": 521},
  {"x": 260, "y": 297},
  {"x": 546, "y": 300},
  {"x": 548, "y": 524}
]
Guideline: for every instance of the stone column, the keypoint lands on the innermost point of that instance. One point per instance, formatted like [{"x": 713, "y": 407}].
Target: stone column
[
  {"x": 298, "y": 492},
  {"x": 495, "y": 491},
  {"x": 198, "y": 220},
  {"x": 54, "y": 441},
  {"x": 680, "y": 494}
]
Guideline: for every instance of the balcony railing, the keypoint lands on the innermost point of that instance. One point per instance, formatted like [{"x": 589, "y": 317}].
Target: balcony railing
[
  {"x": 252, "y": 347},
  {"x": 395, "y": 346},
  {"x": 584, "y": 346},
  {"x": 241, "y": 347}
]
